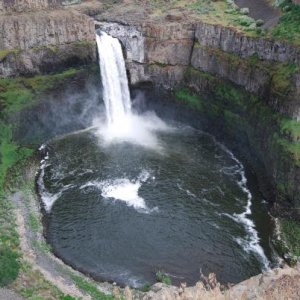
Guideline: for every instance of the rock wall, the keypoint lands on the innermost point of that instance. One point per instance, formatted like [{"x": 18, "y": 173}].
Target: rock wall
[
  {"x": 153, "y": 52},
  {"x": 164, "y": 53},
  {"x": 26, "y": 31},
  {"x": 161, "y": 53},
  {"x": 45, "y": 41},
  {"x": 276, "y": 284},
  {"x": 11, "y": 6},
  {"x": 230, "y": 40}
]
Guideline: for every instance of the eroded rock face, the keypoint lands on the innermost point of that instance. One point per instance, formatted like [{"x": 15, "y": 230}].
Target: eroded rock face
[
  {"x": 131, "y": 38},
  {"x": 45, "y": 41},
  {"x": 44, "y": 60},
  {"x": 254, "y": 80},
  {"x": 165, "y": 52},
  {"x": 153, "y": 52},
  {"x": 230, "y": 40},
  {"x": 10, "y": 6},
  {"x": 277, "y": 284},
  {"x": 51, "y": 28}
]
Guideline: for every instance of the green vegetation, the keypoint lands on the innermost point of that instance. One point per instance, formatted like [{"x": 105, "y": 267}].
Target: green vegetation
[
  {"x": 223, "y": 12},
  {"x": 291, "y": 128},
  {"x": 4, "y": 53},
  {"x": 32, "y": 285},
  {"x": 34, "y": 222},
  {"x": 245, "y": 116},
  {"x": 282, "y": 75},
  {"x": 227, "y": 13},
  {"x": 9, "y": 265},
  {"x": 201, "y": 6},
  {"x": 240, "y": 110},
  {"x": 90, "y": 289},
  {"x": 291, "y": 232},
  {"x": 146, "y": 287},
  {"x": 189, "y": 98},
  {"x": 163, "y": 277},
  {"x": 17, "y": 94},
  {"x": 288, "y": 27}
]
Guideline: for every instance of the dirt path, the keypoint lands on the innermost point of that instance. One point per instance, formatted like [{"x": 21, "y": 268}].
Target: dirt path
[
  {"x": 47, "y": 265},
  {"x": 261, "y": 9},
  {"x": 6, "y": 294}
]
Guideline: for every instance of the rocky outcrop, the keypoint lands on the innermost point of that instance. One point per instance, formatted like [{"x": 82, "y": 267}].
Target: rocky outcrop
[
  {"x": 164, "y": 52},
  {"x": 161, "y": 53},
  {"x": 154, "y": 52},
  {"x": 230, "y": 40},
  {"x": 45, "y": 41},
  {"x": 51, "y": 28},
  {"x": 47, "y": 59},
  {"x": 253, "y": 78},
  {"x": 276, "y": 284},
  {"x": 12, "y": 6}
]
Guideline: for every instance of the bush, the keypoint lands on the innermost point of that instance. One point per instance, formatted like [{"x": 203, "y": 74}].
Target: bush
[
  {"x": 245, "y": 21},
  {"x": 163, "y": 277},
  {"x": 146, "y": 287},
  {"x": 259, "y": 22},
  {"x": 9, "y": 265},
  {"x": 244, "y": 11},
  {"x": 291, "y": 231},
  {"x": 288, "y": 26}
]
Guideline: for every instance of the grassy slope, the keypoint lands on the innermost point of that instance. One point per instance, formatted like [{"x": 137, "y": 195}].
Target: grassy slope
[
  {"x": 15, "y": 95},
  {"x": 226, "y": 13},
  {"x": 288, "y": 27}
]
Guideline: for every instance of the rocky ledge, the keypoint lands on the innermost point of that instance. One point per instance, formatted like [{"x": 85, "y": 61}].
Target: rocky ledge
[
  {"x": 176, "y": 51},
  {"x": 277, "y": 284},
  {"x": 44, "y": 41}
]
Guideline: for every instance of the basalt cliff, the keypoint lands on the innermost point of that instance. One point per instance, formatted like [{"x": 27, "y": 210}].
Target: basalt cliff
[
  {"x": 244, "y": 85},
  {"x": 34, "y": 40},
  {"x": 256, "y": 81}
]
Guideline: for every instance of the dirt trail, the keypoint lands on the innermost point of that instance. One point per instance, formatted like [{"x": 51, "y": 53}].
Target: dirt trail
[
  {"x": 6, "y": 294},
  {"x": 261, "y": 9}
]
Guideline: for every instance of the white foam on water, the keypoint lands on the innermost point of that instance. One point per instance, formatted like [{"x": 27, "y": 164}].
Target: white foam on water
[
  {"x": 202, "y": 199},
  {"x": 47, "y": 198},
  {"x": 252, "y": 241},
  {"x": 136, "y": 129},
  {"x": 124, "y": 189}
]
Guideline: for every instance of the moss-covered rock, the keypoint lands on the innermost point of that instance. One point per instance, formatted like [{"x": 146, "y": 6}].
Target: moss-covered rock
[{"x": 247, "y": 118}]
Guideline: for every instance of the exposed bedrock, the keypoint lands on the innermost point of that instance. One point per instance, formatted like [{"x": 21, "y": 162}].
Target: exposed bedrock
[
  {"x": 276, "y": 284},
  {"x": 9, "y": 6},
  {"x": 202, "y": 57},
  {"x": 230, "y": 40},
  {"x": 263, "y": 67},
  {"x": 158, "y": 53},
  {"x": 45, "y": 41}
]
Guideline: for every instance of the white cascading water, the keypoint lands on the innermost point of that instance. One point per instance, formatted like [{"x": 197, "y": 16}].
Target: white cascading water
[
  {"x": 114, "y": 79},
  {"x": 122, "y": 124}
]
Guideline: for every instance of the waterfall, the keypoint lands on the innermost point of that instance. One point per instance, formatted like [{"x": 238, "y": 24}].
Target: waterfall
[
  {"x": 114, "y": 79},
  {"x": 122, "y": 125}
]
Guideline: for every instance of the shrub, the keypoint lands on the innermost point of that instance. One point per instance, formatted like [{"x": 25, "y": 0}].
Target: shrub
[
  {"x": 9, "y": 265},
  {"x": 245, "y": 21},
  {"x": 163, "y": 277},
  {"x": 291, "y": 231},
  {"x": 146, "y": 287},
  {"x": 288, "y": 26},
  {"x": 244, "y": 11},
  {"x": 259, "y": 22}
]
